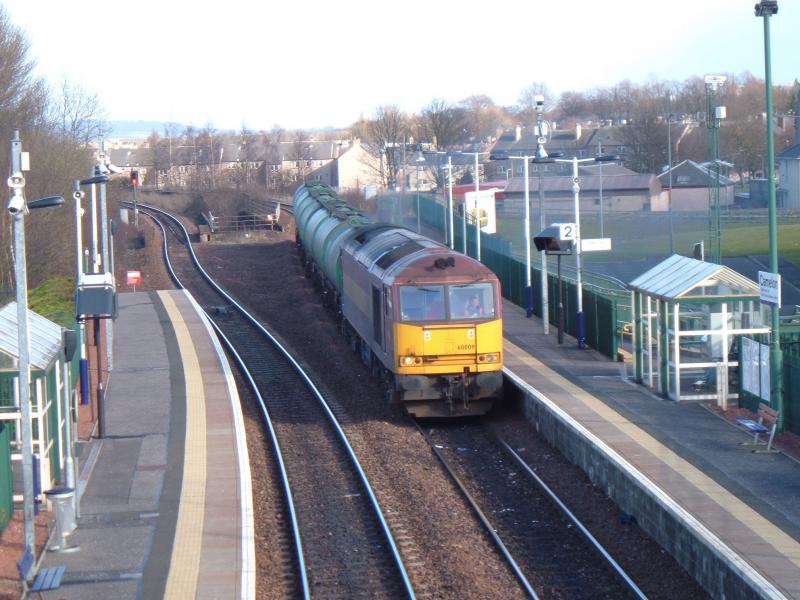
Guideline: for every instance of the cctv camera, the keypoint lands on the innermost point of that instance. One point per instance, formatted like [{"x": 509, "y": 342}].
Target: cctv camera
[
  {"x": 78, "y": 195},
  {"x": 16, "y": 204},
  {"x": 16, "y": 181},
  {"x": 113, "y": 168},
  {"x": 539, "y": 99}
]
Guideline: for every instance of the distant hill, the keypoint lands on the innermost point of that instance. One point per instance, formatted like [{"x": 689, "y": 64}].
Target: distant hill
[{"x": 140, "y": 129}]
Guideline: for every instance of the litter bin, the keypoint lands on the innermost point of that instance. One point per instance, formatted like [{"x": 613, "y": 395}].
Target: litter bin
[{"x": 64, "y": 507}]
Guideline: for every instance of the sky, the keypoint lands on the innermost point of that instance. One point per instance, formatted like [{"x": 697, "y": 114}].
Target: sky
[{"x": 316, "y": 63}]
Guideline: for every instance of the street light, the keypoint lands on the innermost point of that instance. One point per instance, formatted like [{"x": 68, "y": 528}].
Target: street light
[
  {"x": 18, "y": 207},
  {"x": 576, "y": 190},
  {"x": 526, "y": 228},
  {"x": 449, "y": 233},
  {"x": 419, "y": 159},
  {"x": 765, "y": 9},
  {"x": 477, "y": 212}
]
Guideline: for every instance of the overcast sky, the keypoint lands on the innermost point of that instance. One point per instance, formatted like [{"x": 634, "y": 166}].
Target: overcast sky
[{"x": 315, "y": 63}]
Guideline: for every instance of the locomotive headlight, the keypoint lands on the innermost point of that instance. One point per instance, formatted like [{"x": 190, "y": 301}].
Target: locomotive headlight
[
  {"x": 410, "y": 361},
  {"x": 493, "y": 357}
]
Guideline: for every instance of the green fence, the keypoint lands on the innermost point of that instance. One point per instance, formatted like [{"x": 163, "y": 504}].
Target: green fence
[
  {"x": 603, "y": 312},
  {"x": 6, "y": 484},
  {"x": 600, "y": 311}
]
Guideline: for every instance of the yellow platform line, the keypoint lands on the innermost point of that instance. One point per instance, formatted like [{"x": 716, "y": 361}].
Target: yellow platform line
[
  {"x": 774, "y": 536},
  {"x": 185, "y": 561}
]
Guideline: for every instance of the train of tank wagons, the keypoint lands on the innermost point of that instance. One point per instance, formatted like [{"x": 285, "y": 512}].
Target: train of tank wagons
[{"x": 424, "y": 318}]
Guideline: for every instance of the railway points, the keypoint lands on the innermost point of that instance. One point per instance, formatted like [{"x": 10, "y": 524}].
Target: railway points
[
  {"x": 729, "y": 516},
  {"x": 154, "y": 521}
]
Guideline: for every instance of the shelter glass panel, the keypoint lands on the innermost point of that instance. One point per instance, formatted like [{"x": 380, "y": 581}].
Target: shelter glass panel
[{"x": 696, "y": 349}]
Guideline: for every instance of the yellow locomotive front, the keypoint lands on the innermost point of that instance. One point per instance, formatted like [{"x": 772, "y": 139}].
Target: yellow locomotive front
[{"x": 448, "y": 346}]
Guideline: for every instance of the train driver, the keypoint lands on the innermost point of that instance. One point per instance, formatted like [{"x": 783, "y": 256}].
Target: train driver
[{"x": 473, "y": 307}]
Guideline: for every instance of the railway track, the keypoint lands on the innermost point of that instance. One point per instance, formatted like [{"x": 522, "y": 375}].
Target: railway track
[
  {"x": 552, "y": 554},
  {"x": 342, "y": 545}
]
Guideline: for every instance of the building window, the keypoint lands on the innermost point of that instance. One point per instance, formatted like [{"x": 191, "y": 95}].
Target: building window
[{"x": 683, "y": 179}]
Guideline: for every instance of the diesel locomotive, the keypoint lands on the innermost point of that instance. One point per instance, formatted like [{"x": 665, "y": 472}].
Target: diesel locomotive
[{"x": 425, "y": 318}]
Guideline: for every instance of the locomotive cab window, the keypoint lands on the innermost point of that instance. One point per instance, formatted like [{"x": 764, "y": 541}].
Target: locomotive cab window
[
  {"x": 472, "y": 301},
  {"x": 422, "y": 303}
]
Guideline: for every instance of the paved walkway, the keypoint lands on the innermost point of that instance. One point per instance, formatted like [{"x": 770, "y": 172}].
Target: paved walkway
[
  {"x": 163, "y": 510},
  {"x": 749, "y": 501}
]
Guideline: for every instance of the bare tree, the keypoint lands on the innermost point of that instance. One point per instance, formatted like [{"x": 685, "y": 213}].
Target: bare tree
[
  {"x": 386, "y": 134},
  {"x": 443, "y": 124},
  {"x": 79, "y": 115}
]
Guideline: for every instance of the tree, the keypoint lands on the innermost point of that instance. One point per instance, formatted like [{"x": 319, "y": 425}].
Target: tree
[
  {"x": 386, "y": 134},
  {"x": 443, "y": 124},
  {"x": 79, "y": 115},
  {"x": 484, "y": 118}
]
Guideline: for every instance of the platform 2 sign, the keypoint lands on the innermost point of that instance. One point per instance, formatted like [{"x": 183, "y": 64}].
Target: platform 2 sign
[
  {"x": 133, "y": 278},
  {"x": 770, "y": 286}
]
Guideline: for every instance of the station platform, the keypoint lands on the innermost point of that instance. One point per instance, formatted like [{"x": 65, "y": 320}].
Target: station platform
[
  {"x": 165, "y": 499},
  {"x": 731, "y": 517}
]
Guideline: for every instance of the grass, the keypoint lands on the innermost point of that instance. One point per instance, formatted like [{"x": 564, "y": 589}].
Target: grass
[
  {"x": 55, "y": 300},
  {"x": 637, "y": 237}
]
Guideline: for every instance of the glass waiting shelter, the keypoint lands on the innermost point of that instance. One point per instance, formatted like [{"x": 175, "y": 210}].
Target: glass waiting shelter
[{"x": 688, "y": 315}]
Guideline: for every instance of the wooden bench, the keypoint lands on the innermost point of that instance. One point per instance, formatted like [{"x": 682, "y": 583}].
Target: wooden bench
[{"x": 767, "y": 423}]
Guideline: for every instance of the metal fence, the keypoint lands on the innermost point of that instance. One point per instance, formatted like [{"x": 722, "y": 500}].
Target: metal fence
[{"x": 601, "y": 310}]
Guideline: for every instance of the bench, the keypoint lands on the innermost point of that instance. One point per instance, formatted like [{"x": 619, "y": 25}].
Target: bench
[
  {"x": 48, "y": 578},
  {"x": 766, "y": 416}
]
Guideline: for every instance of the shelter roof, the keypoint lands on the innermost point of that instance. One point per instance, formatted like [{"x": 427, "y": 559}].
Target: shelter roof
[
  {"x": 45, "y": 336},
  {"x": 689, "y": 174},
  {"x": 679, "y": 278},
  {"x": 791, "y": 152}
]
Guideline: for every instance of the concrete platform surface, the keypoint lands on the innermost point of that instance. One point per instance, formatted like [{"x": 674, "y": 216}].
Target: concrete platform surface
[
  {"x": 153, "y": 520},
  {"x": 735, "y": 509}
]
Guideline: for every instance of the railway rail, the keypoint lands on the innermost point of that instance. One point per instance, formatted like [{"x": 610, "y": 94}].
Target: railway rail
[
  {"x": 552, "y": 554},
  {"x": 342, "y": 544}
]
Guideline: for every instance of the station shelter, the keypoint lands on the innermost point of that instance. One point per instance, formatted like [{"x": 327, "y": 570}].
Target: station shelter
[
  {"x": 688, "y": 317},
  {"x": 51, "y": 393}
]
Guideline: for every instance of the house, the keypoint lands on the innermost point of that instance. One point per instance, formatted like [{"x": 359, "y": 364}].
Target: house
[
  {"x": 578, "y": 142},
  {"x": 789, "y": 167},
  {"x": 618, "y": 190},
  {"x": 692, "y": 185}
]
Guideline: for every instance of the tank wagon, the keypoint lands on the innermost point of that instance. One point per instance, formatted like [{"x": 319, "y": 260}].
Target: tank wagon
[{"x": 425, "y": 318}]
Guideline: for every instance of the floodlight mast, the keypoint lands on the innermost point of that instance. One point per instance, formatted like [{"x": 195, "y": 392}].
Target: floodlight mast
[{"x": 766, "y": 9}]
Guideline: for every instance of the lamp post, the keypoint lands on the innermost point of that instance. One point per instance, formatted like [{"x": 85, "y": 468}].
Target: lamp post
[
  {"x": 576, "y": 191},
  {"x": 419, "y": 159},
  {"x": 477, "y": 211},
  {"x": 765, "y": 9},
  {"x": 450, "y": 232},
  {"x": 526, "y": 232},
  {"x": 543, "y": 131},
  {"x": 18, "y": 207}
]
